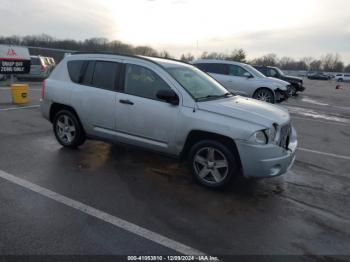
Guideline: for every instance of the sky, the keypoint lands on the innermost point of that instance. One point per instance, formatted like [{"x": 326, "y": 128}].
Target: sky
[{"x": 295, "y": 28}]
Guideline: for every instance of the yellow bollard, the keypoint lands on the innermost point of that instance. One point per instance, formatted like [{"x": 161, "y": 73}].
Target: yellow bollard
[{"x": 20, "y": 93}]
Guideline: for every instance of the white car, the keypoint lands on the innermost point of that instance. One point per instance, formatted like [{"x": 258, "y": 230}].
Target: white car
[
  {"x": 245, "y": 80},
  {"x": 342, "y": 77}
]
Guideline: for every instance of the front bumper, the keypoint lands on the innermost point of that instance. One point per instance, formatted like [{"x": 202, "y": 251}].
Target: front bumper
[
  {"x": 263, "y": 161},
  {"x": 281, "y": 95}
]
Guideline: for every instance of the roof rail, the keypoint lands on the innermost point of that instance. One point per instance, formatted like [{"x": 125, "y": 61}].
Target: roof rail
[{"x": 147, "y": 58}]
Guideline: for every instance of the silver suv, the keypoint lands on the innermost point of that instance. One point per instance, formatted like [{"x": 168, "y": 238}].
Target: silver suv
[
  {"x": 169, "y": 107},
  {"x": 245, "y": 80}
]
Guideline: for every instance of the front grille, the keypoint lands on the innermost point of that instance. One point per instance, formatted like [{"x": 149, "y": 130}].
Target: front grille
[{"x": 285, "y": 133}]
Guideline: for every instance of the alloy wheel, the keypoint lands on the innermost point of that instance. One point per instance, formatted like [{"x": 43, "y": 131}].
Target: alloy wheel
[
  {"x": 264, "y": 95},
  {"x": 66, "y": 129},
  {"x": 210, "y": 165}
]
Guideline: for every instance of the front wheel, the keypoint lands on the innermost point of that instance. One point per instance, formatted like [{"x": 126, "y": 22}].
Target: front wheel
[
  {"x": 265, "y": 95},
  {"x": 292, "y": 91},
  {"x": 212, "y": 163},
  {"x": 68, "y": 131},
  {"x": 340, "y": 80}
]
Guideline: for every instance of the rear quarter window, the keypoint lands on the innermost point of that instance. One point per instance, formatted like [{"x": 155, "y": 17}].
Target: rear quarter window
[{"x": 75, "y": 70}]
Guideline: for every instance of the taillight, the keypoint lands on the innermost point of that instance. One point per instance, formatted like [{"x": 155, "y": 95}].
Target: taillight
[
  {"x": 43, "y": 87},
  {"x": 42, "y": 68}
]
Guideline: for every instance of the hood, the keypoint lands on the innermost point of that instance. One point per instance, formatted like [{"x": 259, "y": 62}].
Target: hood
[
  {"x": 278, "y": 81},
  {"x": 247, "y": 109},
  {"x": 292, "y": 78}
]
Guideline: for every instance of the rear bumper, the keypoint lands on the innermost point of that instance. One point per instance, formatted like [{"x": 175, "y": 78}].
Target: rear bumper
[
  {"x": 263, "y": 161},
  {"x": 45, "y": 107}
]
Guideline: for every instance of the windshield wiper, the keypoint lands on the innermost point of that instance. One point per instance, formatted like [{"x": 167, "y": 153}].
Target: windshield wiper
[{"x": 215, "y": 96}]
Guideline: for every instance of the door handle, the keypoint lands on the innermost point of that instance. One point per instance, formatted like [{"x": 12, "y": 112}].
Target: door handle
[{"x": 128, "y": 102}]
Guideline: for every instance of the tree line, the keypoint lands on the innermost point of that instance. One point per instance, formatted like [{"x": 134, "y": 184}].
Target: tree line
[{"x": 328, "y": 62}]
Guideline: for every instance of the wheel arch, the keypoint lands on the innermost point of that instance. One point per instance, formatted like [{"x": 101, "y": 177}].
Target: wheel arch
[
  {"x": 268, "y": 88},
  {"x": 197, "y": 135},
  {"x": 56, "y": 107}
]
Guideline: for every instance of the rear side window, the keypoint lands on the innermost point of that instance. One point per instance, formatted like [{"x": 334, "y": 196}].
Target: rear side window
[
  {"x": 75, "y": 70},
  {"x": 141, "y": 81},
  {"x": 214, "y": 68},
  {"x": 105, "y": 75}
]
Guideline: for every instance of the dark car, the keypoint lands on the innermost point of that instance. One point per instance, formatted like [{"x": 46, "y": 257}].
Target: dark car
[
  {"x": 319, "y": 76},
  {"x": 296, "y": 82}
]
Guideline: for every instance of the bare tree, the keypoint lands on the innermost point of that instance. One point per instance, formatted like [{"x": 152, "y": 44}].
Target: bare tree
[
  {"x": 187, "y": 57},
  {"x": 316, "y": 65},
  {"x": 347, "y": 68},
  {"x": 266, "y": 60}
]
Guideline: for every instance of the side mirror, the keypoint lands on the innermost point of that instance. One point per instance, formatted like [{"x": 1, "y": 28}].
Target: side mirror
[
  {"x": 168, "y": 96},
  {"x": 247, "y": 75}
]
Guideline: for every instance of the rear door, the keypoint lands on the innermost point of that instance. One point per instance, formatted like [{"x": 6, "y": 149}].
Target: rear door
[
  {"x": 141, "y": 118},
  {"x": 94, "y": 94},
  {"x": 238, "y": 81}
]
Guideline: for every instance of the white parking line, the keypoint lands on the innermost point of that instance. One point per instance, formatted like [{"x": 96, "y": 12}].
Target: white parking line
[
  {"x": 116, "y": 221},
  {"x": 17, "y": 108},
  {"x": 320, "y": 121},
  {"x": 324, "y": 153}
]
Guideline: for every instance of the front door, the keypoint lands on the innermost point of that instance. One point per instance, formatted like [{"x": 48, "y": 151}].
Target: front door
[{"x": 141, "y": 118}]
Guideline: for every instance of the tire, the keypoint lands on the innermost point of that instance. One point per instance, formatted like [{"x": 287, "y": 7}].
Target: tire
[
  {"x": 292, "y": 91},
  {"x": 204, "y": 159},
  {"x": 340, "y": 80},
  {"x": 68, "y": 130},
  {"x": 264, "y": 94}
]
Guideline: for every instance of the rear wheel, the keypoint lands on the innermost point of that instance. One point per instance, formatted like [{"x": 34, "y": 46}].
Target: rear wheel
[
  {"x": 212, "y": 163},
  {"x": 340, "y": 80},
  {"x": 68, "y": 130},
  {"x": 264, "y": 94}
]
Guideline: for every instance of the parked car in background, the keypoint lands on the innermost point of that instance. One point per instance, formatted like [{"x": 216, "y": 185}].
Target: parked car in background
[
  {"x": 52, "y": 61},
  {"x": 342, "y": 77},
  {"x": 170, "y": 107},
  {"x": 318, "y": 76},
  {"x": 3, "y": 77},
  {"x": 245, "y": 80},
  {"x": 39, "y": 69},
  {"x": 296, "y": 82}
]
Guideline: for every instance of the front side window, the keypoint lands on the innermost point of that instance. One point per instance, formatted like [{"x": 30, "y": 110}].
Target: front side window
[
  {"x": 105, "y": 75},
  {"x": 272, "y": 72},
  {"x": 143, "y": 82},
  {"x": 198, "y": 84},
  {"x": 235, "y": 70}
]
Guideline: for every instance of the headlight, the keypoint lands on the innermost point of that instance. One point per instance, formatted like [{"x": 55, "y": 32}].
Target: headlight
[
  {"x": 260, "y": 137},
  {"x": 272, "y": 133},
  {"x": 265, "y": 136}
]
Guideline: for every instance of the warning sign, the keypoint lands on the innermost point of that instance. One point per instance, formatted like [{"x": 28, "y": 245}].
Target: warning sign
[{"x": 14, "y": 60}]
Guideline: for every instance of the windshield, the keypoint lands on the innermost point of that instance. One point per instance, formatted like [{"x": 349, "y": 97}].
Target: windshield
[
  {"x": 198, "y": 84},
  {"x": 279, "y": 71},
  {"x": 253, "y": 71}
]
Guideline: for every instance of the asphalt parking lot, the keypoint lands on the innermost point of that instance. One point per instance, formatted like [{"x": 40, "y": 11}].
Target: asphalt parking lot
[{"x": 123, "y": 195}]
